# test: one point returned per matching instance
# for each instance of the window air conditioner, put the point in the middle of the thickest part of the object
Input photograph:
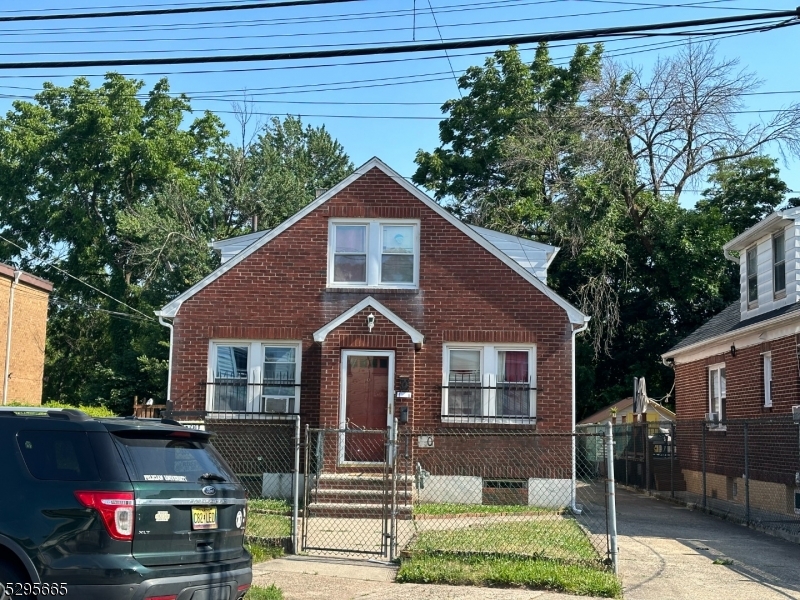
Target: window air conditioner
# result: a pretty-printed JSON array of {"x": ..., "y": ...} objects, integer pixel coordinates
[
  {"x": 274, "y": 405},
  {"x": 712, "y": 418}
]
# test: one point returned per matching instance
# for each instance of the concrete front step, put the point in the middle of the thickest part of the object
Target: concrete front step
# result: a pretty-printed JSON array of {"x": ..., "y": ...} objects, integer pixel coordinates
[
  {"x": 362, "y": 496},
  {"x": 360, "y": 481},
  {"x": 354, "y": 511}
]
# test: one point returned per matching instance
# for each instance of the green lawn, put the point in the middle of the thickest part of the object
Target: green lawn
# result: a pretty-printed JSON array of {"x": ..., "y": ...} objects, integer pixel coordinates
[
  {"x": 442, "y": 509},
  {"x": 268, "y": 518},
  {"x": 546, "y": 552},
  {"x": 554, "y": 539},
  {"x": 503, "y": 571},
  {"x": 261, "y": 593}
]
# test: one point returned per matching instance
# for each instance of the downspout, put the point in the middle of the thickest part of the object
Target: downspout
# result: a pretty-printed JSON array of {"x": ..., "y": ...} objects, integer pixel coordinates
[
  {"x": 14, "y": 283},
  {"x": 573, "y": 506},
  {"x": 169, "y": 368}
]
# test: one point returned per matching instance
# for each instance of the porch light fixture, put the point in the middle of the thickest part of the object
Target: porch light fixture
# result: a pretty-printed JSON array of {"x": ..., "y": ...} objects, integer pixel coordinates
[
  {"x": 370, "y": 322},
  {"x": 733, "y": 350}
]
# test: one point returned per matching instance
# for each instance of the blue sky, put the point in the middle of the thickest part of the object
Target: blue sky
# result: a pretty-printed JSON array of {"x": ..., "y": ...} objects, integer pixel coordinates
[{"x": 375, "y": 106}]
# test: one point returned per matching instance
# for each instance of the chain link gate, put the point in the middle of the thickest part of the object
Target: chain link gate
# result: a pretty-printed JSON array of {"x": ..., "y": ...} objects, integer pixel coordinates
[{"x": 351, "y": 490}]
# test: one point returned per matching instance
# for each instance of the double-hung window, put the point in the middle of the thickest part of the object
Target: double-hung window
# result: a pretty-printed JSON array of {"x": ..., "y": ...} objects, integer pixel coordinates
[
  {"x": 489, "y": 383},
  {"x": 717, "y": 391},
  {"x": 373, "y": 253},
  {"x": 779, "y": 265},
  {"x": 247, "y": 376},
  {"x": 752, "y": 275}
]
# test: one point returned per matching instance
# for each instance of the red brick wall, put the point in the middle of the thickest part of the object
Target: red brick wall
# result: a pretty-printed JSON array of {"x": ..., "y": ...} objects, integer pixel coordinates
[
  {"x": 465, "y": 293},
  {"x": 745, "y": 382}
]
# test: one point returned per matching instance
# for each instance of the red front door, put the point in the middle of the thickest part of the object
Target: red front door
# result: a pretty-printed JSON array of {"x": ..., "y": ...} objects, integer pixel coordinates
[{"x": 366, "y": 405}]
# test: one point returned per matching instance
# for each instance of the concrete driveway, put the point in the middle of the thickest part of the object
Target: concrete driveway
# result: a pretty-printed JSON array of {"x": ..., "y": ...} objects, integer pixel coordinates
[{"x": 667, "y": 552}]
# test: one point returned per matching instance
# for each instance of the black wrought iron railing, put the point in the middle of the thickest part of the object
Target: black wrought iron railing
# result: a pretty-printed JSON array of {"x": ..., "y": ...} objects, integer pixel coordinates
[{"x": 472, "y": 402}]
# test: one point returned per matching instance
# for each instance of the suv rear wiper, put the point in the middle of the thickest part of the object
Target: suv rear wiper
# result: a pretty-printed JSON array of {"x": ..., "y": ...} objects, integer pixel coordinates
[{"x": 212, "y": 477}]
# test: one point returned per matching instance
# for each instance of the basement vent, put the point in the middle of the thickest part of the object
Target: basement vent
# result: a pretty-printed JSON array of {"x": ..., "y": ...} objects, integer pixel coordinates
[{"x": 505, "y": 492}]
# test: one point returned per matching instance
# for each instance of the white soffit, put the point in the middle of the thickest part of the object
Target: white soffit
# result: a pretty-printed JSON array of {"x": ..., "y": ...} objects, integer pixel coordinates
[
  {"x": 575, "y": 316},
  {"x": 322, "y": 333}
]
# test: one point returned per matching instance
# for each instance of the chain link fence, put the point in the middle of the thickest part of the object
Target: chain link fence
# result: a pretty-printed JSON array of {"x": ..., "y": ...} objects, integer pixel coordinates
[
  {"x": 264, "y": 455},
  {"x": 744, "y": 470},
  {"x": 353, "y": 494},
  {"x": 507, "y": 493},
  {"x": 454, "y": 491}
]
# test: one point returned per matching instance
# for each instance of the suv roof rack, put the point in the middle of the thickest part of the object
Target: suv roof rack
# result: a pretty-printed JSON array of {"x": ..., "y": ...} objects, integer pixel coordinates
[{"x": 68, "y": 414}]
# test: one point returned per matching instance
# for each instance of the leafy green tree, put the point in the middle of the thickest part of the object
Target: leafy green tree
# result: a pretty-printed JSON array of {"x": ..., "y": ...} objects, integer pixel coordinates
[
  {"x": 744, "y": 191},
  {"x": 601, "y": 173},
  {"x": 468, "y": 172},
  {"x": 270, "y": 179},
  {"x": 71, "y": 162}
]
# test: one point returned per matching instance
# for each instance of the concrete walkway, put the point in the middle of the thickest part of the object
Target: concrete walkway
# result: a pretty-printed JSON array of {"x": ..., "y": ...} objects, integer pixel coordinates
[{"x": 667, "y": 552}]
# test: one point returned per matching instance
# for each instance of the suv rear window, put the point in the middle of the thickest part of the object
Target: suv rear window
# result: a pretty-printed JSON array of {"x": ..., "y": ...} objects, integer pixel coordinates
[
  {"x": 58, "y": 455},
  {"x": 155, "y": 457}
]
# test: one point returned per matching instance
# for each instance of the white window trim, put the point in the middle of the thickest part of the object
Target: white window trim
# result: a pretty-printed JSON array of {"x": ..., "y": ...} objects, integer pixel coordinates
[
  {"x": 488, "y": 379},
  {"x": 767, "y": 368},
  {"x": 712, "y": 368},
  {"x": 777, "y": 294},
  {"x": 373, "y": 251},
  {"x": 343, "y": 399},
  {"x": 255, "y": 359},
  {"x": 750, "y": 303}
]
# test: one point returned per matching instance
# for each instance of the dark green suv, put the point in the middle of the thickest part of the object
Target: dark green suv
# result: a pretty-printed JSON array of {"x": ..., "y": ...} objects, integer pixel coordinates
[{"x": 117, "y": 509}]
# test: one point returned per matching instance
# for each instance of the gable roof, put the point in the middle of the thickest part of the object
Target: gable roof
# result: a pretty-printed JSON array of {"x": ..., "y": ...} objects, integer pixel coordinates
[
  {"x": 575, "y": 316},
  {"x": 322, "y": 333},
  {"x": 532, "y": 256},
  {"x": 729, "y": 322},
  {"x": 605, "y": 413}
]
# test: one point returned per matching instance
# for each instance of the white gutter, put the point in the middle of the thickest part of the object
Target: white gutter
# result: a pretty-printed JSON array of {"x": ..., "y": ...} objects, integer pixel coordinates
[
  {"x": 14, "y": 283},
  {"x": 573, "y": 505},
  {"x": 169, "y": 368}
]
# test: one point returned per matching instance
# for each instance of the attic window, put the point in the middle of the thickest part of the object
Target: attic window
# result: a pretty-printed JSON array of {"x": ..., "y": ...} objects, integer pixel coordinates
[
  {"x": 372, "y": 253},
  {"x": 752, "y": 275}
]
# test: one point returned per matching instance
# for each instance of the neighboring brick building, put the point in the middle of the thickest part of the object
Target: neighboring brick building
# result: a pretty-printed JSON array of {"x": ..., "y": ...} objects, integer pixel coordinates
[
  {"x": 371, "y": 303},
  {"x": 21, "y": 375},
  {"x": 743, "y": 364}
]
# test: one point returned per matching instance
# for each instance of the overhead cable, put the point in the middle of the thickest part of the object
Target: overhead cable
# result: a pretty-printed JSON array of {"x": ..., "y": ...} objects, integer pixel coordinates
[
  {"x": 50, "y": 16},
  {"x": 651, "y": 29}
]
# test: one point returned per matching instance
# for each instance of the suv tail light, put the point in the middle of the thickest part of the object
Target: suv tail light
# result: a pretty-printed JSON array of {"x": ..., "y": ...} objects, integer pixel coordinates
[{"x": 116, "y": 508}]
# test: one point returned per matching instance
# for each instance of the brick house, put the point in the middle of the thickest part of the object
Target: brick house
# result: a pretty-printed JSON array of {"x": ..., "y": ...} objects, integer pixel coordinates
[
  {"x": 743, "y": 365},
  {"x": 23, "y": 328},
  {"x": 374, "y": 303}
]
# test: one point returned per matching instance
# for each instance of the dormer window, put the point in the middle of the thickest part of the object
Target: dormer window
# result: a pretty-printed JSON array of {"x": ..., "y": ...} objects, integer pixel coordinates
[
  {"x": 752, "y": 275},
  {"x": 779, "y": 265}
]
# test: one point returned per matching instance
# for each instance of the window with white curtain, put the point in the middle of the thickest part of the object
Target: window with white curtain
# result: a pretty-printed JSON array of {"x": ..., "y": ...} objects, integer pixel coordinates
[
  {"x": 717, "y": 390},
  {"x": 254, "y": 376}
]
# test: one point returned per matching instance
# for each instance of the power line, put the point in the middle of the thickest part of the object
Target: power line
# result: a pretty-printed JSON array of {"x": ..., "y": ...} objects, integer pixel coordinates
[
  {"x": 652, "y": 29},
  {"x": 167, "y": 11},
  {"x": 436, "y": 26},
  {"x": 79, "y": 280}
]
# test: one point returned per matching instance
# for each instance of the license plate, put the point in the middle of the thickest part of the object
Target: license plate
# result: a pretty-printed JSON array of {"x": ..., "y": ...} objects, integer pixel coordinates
[{"x": 204, "y": 517}]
